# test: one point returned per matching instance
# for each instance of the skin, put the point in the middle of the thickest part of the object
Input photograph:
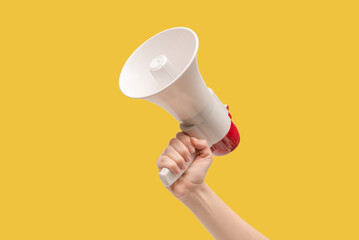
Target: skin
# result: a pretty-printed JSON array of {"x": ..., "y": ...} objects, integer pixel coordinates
[{"x": 220, "y": 221}]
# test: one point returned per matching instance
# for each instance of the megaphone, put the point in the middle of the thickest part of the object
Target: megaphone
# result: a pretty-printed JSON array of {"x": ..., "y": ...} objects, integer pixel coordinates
[{"x": 164, "y": 71}]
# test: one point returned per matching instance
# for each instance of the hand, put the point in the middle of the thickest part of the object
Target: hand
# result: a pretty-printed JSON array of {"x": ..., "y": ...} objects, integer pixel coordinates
[{"x": 175, "y": 158}]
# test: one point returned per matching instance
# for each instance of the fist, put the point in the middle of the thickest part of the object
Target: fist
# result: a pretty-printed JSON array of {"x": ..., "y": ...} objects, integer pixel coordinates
[{"x": 176, "y": 156}]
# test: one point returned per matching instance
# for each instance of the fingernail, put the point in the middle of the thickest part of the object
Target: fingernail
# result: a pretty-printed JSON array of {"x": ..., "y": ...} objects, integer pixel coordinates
[
  {"x": 191, "y": 149},
  {"x": 178, "y": 171},
  {"x": 188, "y": 158}
]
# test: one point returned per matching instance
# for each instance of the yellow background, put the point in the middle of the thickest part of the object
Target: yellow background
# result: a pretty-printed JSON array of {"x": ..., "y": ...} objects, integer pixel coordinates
[{"x": 78, "y": 157}]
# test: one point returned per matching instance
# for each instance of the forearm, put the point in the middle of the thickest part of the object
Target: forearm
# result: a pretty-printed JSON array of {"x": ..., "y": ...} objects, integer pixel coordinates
[{"x": 221, "y": 221}]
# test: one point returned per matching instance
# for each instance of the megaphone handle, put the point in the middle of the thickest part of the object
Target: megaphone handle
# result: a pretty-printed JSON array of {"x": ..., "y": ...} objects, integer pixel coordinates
[{"x": 168, "y": 178}]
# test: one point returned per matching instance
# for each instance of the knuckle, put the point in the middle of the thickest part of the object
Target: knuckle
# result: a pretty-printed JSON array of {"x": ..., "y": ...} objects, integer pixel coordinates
[
  {"x": 172, "y": 165},
  {"x": 161, "y": 161},
  {"x": 167, "y": 159},
  {"x": 173, "y": 141},
  {"x": 183, "y": 137},
  {"x": 167, "y": 150},
  {"x": 180, "y": 160},
  {"x": 185, "y": 151},
  {"x": 179, "y": 134}
]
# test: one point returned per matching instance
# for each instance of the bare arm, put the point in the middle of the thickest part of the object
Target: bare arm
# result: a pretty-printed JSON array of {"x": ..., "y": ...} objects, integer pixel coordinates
[{"x": 220, "y": 221}]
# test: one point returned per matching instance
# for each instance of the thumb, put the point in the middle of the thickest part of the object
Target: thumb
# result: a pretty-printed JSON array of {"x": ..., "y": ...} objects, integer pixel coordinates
[{"x": 201, "y": 146}]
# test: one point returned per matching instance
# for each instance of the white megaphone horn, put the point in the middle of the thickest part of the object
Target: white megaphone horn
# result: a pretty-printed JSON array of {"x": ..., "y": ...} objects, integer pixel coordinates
[{"x": 164, "y": 70}]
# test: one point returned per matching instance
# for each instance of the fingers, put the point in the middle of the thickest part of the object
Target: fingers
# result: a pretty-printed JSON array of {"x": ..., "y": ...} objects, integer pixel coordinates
[
  {"x": 202, "y": 147},
  {"x": 175, "y": 156},
  {"x": 180, "y": 148},
  {"x": 186, "y": 140},
  {"x": 179, "y": 151},
  {"x": 166, "y": 162}
]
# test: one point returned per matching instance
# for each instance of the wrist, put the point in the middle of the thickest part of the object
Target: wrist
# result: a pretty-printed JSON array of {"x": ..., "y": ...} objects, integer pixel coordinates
[{"x": 194, "y": 194}]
